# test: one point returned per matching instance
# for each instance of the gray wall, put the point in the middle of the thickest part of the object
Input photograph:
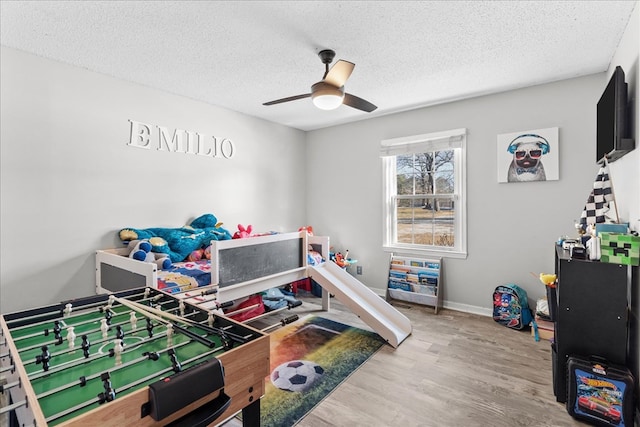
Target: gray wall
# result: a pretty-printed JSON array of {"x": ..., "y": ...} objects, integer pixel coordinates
[
  {"x": 70, "y": 181},
  {"x": 626, "y": 172},
  {"x": 511, "y": 227}
]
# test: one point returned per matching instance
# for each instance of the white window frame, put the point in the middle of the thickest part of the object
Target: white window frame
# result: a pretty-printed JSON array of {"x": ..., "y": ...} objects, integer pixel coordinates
[{"x": 455, "y": 140}]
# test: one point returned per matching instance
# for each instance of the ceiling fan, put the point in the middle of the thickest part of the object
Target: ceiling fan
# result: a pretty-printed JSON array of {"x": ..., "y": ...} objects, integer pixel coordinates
[{"x": 328, "y": 93}]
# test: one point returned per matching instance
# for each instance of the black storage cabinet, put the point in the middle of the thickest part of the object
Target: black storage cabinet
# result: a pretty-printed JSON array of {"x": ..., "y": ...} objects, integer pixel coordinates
[{"x": 592, "y": 308}]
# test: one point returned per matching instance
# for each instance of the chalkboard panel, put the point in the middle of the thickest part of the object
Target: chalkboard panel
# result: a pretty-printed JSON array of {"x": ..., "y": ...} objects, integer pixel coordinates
[
  {"x": 244, "y": 263},
  {"x": 116, "y": 279}
]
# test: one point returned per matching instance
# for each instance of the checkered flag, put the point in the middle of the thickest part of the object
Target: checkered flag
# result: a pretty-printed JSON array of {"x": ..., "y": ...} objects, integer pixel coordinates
[{"x": 598, "y": 202}]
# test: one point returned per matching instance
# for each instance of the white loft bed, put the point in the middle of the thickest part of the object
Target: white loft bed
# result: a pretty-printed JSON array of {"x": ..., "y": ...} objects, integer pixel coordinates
[
  {"x": 243, "y": 267},
  {"x": 239, "y": 267}
]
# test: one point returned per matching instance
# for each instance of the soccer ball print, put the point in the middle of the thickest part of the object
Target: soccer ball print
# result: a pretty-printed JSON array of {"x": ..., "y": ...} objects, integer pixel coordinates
[{"x": 296, "y": 375}]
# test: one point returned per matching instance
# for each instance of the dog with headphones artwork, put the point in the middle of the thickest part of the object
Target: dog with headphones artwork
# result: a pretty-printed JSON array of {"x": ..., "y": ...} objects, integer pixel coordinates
[{"x": 527, "y": 150}]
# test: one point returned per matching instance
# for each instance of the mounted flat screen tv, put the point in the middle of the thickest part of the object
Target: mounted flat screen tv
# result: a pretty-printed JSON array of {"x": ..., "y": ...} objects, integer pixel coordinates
[{"x": 612, "y": 134}]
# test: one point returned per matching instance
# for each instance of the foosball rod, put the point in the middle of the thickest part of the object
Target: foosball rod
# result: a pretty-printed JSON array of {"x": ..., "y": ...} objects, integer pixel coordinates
[
  {"x": 6, "y": 386},
  {"x": 82, "y": 360},
  {"x": 99, "y": 341},
  {"x": 66, "y": 319},
  {"x": 58, "y": 342},
  {"x": 90, "y": 331},
  {"x": 12, "y": 407},
  {"x": 93, "y": 343},
  {"x": 241, "y": 310},
  {"x": 116, "y": 368},
  {"x": 82, "y": 308},
  {"x": 201, "y": 291},
  {"x": 289, "y": 306},
  {"x": 150, "y": 313},
  {"x": 201, "y": 325},
  {"x": 130, "y": 385},
  {"x": 75, "y": 362},
  {"x": 65, "y": 325},
  {"x": 212, "y": 330},
  {"x": 265, "y": 314},
  {"x": 282, "y": 322}
]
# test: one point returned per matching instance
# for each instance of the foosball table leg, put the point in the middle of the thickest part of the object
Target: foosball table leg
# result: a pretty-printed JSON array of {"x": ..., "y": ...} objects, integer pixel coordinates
[{"x": 251, "y": 414}]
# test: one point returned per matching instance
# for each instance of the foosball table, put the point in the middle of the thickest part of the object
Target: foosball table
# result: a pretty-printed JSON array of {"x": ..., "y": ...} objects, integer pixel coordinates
[{"x": 139, "y": 357}]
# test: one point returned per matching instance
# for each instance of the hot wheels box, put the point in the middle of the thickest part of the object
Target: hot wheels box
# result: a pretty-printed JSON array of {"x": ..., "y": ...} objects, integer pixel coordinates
[
  {"x": 600, "y": 393},
  {"x": 619, "y": 248}
]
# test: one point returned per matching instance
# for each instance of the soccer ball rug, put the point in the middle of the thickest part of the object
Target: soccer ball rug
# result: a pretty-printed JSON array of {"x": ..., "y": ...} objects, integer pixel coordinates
[{"x": 296, "y": 375}]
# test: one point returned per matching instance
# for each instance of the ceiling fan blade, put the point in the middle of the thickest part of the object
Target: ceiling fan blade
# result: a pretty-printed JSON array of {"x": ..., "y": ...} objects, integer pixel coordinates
[
  {"x": 291, "y": 98},
  {"x": 359, "y": 103},
  {"x": 339, "y": 73}
]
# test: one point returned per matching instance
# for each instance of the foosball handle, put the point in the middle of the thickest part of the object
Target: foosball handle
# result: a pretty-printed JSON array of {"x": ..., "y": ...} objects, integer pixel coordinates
[
  {"x": 289, "y": 319},
  {"x": 225, "y": 304},
  {"x": 293, "y": 304}
]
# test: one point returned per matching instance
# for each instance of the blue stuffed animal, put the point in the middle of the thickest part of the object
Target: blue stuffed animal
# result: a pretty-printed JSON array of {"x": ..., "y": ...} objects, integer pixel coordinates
[
  {"x": 178, "y": 243},
  {"x": 141, "y": 250}
]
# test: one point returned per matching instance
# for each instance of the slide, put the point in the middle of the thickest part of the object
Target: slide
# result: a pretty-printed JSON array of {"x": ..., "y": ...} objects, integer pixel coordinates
[{"x": 381, "y": 316}]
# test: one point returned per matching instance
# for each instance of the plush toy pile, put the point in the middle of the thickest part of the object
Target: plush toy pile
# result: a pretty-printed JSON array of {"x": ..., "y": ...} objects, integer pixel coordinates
[
  {"x": 141, "y": 250},
  {"x": 179, "y": 243}
]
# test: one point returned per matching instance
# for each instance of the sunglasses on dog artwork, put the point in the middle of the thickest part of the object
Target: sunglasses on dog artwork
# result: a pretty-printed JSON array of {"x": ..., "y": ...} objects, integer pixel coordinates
[{"x": 534, "y": 154}]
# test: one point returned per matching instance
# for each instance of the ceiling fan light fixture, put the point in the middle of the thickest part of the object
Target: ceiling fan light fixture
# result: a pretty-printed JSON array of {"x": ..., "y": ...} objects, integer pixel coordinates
[{"x": 326, "y": 96}]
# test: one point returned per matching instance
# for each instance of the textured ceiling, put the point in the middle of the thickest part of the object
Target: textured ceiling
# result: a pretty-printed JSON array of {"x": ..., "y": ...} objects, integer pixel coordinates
[{"x": 239, "y": 54}]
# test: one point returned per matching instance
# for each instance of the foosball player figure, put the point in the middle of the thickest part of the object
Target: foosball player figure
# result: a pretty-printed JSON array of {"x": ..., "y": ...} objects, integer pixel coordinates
[
  {"x": 150, "y": 327},
  {"x": 57, "y": 329},
  {"x": 151, "y": 355},
  {"x": 71, "y": 337},
  {"x": 67, "y": 310},
  {"x": 227, "y": 344},
  {"x": 169, "y": 335},
  {"x": 104, "y": 327},
  {"x": 110, "y": 302},
  {"x": 118, "y": 348},
  {"x": 85, "y": 346},
  {"x": 108, "y": 315},
  {"x": 174, "y": 361},
  {"x": 181, "y": 307},
  {"x": 119, "y": 332},
  {"x": 210, "y": 319},
  {"x": 133, "y": 320},
  {"x": 109, "y": 393},
  {"x": 44, "y": 358}
]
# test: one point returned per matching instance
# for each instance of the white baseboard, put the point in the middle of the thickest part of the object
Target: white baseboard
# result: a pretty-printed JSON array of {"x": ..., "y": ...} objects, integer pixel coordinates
[{"x": 466, "y": 308}]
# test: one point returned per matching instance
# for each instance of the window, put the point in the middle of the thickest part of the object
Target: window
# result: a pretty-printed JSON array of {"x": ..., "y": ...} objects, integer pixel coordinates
[{"x": 424, "y": 194}]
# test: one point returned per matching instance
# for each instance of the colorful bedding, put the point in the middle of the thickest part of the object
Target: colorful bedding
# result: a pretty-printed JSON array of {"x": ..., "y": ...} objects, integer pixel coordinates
[{"x": 183, "y": 276}]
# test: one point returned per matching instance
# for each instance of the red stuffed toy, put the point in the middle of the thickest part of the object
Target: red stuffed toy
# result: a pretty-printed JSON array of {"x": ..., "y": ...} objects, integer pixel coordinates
[
  {"x": 242, "y": 232},
  {"x": 308, "y": 229}
]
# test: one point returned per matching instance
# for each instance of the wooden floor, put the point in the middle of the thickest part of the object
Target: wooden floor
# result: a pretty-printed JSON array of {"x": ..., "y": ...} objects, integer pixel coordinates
[{"x": 455, "y": 369}]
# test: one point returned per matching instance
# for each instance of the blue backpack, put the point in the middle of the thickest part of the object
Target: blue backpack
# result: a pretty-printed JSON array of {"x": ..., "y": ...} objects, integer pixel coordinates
[{"x": 511, "y": 308}]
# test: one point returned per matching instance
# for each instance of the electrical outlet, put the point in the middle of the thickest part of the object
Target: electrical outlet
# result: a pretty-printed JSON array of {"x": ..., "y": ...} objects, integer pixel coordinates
[{"x": 359, "y": 269}]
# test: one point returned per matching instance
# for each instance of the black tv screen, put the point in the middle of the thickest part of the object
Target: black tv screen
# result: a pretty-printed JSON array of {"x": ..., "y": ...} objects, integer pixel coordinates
[{"x": 612, "y": 119}]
